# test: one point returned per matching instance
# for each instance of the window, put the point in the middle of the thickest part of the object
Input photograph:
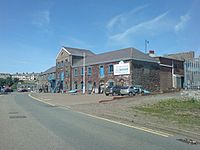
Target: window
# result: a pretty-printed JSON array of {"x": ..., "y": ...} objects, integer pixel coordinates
[
  {"x": 111, "y": 83},
  {"x": 75, "y": 72},
  {"x": 89, "y": 86},
  {"x": 67, "y": 73},
  {"x": 101, "y": 71},
  {"x": 62, "y": 76},
  {"x": 58, "y": 64},
  {"x": 82, "y": 71},
  {"x": 82, "y": 84},
  {"x": 110, "y": 68},
  {"x": 75, "y": 85},
  {"x": 89, "y": 71},
  {"x": 62, "y": 64}
]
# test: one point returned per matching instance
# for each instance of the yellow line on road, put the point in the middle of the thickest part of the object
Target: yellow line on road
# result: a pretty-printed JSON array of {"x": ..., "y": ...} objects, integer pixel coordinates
[
  {"x": 41, "y": 100},
  {"x": 160, "y": 133}
]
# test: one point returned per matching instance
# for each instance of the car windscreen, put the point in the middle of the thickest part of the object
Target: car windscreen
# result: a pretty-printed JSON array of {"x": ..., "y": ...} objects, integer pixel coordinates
[{"x": 124, "y": 87}]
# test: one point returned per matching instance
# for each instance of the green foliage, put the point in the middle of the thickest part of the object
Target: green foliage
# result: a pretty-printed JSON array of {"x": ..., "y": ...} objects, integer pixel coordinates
[
  {"x": 181, "y": 111},
  {"x": 9, "y": 82}
]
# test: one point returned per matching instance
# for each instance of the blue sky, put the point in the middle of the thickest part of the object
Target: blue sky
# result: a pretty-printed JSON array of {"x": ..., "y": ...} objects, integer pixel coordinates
[{"x": 33, "y": 31}]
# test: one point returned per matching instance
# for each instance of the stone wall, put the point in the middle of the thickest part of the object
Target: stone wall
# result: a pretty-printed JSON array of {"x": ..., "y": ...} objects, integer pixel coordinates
[
  {"x": 146, "y": 74},
  {"x": 142, "y": 73}
]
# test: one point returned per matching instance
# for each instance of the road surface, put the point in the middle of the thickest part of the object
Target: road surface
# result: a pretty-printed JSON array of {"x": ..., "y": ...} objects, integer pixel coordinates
[{"x": 27, "y": 124}]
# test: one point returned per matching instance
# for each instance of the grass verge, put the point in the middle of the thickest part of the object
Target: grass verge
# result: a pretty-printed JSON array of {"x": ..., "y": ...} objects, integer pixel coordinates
[{"x": 184, "y": 112}]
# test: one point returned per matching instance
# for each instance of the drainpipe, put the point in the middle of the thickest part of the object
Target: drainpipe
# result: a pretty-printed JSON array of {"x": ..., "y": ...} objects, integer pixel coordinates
[{"x": 173, "y": 84}]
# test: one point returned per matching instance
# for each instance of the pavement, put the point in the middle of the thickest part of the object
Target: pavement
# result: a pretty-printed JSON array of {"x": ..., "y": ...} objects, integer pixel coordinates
[
  {"x": 68, "y": 100},
  {"x": 27, "y": 124}
]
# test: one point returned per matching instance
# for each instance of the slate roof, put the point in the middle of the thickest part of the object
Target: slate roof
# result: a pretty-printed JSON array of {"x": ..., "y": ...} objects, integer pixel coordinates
[
  {"x": 117, "y": 55},
  {"x": 50, "y": 70},
  {"x": 78, "y": 52}
]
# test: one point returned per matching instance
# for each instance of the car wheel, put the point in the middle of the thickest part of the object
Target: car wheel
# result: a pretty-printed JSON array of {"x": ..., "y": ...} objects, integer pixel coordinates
[
  {"x": 122, "y": 94},
  {"x": 130, "y": 94},
  {"x": 107, "y": 94}
]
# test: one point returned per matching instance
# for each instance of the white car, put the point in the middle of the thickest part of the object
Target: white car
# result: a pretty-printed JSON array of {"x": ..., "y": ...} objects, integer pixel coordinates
[{"x": 127, "y": 90}]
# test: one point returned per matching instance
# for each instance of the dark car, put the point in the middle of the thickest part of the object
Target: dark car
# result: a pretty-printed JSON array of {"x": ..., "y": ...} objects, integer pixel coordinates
[
  {"x": 114, "y": 90},
  {"x": 8, "y": 90},
  {"x": 23, "y": 90}
]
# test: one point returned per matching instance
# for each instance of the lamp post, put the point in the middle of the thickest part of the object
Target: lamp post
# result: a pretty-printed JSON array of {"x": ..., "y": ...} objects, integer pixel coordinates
[
  {"x": 146, "y": 42},
  {"x": 84, "y": 73}
]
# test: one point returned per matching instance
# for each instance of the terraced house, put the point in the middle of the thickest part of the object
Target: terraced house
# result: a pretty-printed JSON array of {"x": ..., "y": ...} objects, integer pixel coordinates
[{"x": 80, "y": 68}]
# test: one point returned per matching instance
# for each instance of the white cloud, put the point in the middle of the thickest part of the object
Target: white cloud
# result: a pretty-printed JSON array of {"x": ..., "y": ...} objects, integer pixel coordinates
[
  {"x": 147, "y": 25},
  {"x": 183, "y": 21},
  {"x": 74, "y": 42},
  {"x": 119, "y": 19},
  {"x": 41, "y": 18},
  {"x": 113, "y": 21}
]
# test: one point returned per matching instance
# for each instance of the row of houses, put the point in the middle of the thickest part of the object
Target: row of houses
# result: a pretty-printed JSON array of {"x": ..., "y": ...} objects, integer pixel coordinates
[
  {"x": 21, "y": 76},
  {"x": 84, "y": 70}
]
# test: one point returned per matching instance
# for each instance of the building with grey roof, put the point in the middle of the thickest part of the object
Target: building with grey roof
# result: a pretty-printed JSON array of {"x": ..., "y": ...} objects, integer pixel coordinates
[
  {"x": 82, "y": 69},
  {"x": 47, "y": 80},
  {"x": 116, "y": 55}
]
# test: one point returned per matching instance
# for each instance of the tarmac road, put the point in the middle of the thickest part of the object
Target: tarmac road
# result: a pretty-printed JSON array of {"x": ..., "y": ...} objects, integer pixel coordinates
[{"x": 26, "y": 124}]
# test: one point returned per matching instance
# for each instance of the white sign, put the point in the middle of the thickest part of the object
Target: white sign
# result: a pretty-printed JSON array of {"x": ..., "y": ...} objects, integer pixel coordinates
[{"x": 122, "y": 68}]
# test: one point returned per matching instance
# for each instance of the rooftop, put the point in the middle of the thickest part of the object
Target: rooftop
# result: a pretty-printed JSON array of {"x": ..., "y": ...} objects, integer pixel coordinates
[
  {"x": 50, "y": 70},
  {"x": 78, "y": 51},
  {"x": 116, "y": 55}
]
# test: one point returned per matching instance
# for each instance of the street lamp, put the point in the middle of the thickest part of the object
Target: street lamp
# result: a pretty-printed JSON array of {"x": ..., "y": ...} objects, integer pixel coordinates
[
  {"x": 146, "y": 42},
  {"x": 84, "y": 73}
]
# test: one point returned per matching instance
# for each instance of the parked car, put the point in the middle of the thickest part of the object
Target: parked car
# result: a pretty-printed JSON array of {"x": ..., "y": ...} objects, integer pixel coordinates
[
  {"x": 114, "y": 90},
  {"x": 127, "y": 90},
  {"x": 8, "y": 90},
  {"x": 141, "y": 90},
  {"x": 23, "y": 90}
]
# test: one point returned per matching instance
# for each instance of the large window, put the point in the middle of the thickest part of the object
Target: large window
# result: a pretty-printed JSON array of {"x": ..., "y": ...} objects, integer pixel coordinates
[
  {"x": 62, "y": 64},
  {"x": 62, "y": 76},
  {"x": 110, "y": 68},
  {"x": 82, "y": 84},
  {"x": 75, "y": 85},
  {"x": 67, "y": 73},
  {"x": 75, "y": 72},
  {"x": 89, "y": 71},
  {"x": 101, "y": 71},
  {"x": 58, "y": 64},
  {"x": 82, "y": 71}
]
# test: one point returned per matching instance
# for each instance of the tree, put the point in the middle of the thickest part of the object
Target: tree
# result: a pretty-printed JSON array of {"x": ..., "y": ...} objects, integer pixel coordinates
[
  {"x": 2, "y": 82},
  {"x": 9, "y": 81}
]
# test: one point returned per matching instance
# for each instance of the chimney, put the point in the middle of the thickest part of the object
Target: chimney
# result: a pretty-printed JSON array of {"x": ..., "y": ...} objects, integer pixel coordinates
[{"x": 152, "y": 53}]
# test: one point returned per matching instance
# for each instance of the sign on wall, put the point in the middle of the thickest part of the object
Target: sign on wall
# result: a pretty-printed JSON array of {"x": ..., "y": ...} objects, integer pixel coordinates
[{"x": 122, "y": 68}]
